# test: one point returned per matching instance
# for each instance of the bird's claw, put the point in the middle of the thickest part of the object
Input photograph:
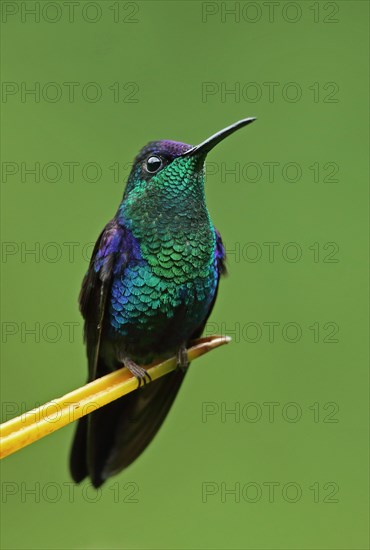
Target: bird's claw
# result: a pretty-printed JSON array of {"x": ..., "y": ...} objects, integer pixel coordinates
[
  {"x": 140, "y": 373},
  {"x": 182, "y": 358}
]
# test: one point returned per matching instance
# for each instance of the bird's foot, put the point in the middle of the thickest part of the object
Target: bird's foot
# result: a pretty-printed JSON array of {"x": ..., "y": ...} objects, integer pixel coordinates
[
  {"x": 182, "y": 358},
  {"x": 140, "y": 373}
]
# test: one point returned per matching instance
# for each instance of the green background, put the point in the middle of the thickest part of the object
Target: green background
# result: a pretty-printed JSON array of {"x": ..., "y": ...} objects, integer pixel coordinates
[{"x": 168, "y": 52}]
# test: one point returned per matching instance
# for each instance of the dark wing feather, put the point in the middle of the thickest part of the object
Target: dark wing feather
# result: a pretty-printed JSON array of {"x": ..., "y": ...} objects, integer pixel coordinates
[
  {"x": 95, "y": 287},
  {"x": 92, "y": 300}
]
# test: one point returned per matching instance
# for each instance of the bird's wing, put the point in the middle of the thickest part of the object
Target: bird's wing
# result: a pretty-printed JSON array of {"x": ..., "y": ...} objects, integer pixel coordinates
[
  {"x": 109, "y": 254},
  {"x": 220, "y": 254},
  {"x": 95, "y": 287}
]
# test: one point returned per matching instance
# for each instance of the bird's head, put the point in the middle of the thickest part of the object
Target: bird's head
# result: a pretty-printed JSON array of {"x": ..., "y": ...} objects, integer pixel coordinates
[{"x": 169, "y": 175}]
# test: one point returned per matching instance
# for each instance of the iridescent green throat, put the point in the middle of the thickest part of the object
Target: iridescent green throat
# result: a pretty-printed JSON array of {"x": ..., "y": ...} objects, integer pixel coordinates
[{"x": 169, "y": 218}]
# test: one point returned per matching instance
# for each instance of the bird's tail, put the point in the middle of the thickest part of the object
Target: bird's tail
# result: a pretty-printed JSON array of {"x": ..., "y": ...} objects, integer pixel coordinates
[{"x": 111, "y": 438}]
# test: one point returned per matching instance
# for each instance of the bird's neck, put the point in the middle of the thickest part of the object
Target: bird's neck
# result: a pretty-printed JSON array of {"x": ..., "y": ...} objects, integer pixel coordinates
[{"x": 175, "y": 219}]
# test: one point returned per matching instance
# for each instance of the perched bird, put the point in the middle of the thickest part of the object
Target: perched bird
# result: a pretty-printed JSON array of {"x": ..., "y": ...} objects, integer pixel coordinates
[{"x": 149, "y": 290}]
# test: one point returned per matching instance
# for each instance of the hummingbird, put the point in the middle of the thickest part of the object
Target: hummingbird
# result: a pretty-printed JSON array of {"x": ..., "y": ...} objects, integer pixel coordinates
[{"x": 150, "y": 287}]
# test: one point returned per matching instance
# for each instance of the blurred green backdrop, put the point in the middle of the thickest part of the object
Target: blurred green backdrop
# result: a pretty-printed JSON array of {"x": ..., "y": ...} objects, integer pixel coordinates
[{"x": 265, "y": 447}]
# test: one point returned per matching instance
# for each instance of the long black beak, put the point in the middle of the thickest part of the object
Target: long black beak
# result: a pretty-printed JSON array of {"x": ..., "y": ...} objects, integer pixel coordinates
[{"x": 204, "y": 147}]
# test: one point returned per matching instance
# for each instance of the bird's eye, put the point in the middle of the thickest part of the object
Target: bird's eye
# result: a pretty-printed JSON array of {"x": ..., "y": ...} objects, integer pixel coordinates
[{"x": 153, "y": 164}]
